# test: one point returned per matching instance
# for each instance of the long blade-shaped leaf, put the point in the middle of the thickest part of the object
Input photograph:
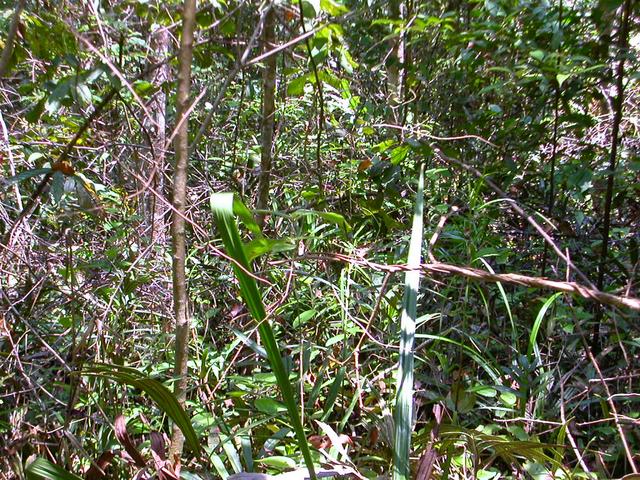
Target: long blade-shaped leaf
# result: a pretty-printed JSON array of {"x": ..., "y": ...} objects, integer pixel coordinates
[
  {"x": 222, "y": 206},
  {"x": 533, "y": 337},
  {"x": 403, "y": 414},
  {"x": 44, "y": 469},
  {"x": 163, "y": 397}
]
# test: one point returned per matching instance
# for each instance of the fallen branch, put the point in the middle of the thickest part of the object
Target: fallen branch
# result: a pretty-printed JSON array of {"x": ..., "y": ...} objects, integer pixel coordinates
[{"x": 482, "y": 275}]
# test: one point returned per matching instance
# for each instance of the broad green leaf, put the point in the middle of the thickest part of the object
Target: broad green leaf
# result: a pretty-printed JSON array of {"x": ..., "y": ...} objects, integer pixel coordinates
[
  {"x": 26, "y": 175},
  {"x": 269, "y": 406},
  {"x": 399, "y": 153},
  {"x": 303, "y": 318},
  {"x": 250, "y": 343},
  {"x": 484, "y": 391},
  {"x": 279, "y": 462},
  {"x": 330, "y": 217},
  {"x": 346, "y": 61},
  {"x": 562, "y": 77},
  {"x": 310, "y": 8},
  {"x": 537, "y": 55},
  {"x": 161, "y": 395},
  {"x": 244, "y": 214},
  {"x": 333, "y": 7},
  {"x": 295, "y": 87},
  {"x": 83, "y": 94},
  {"x": 143, "y": 87},
  {"x": 45, "y": 470},
  {"x": 261, "y": 246},
  {"x": 508, "y": 398},
  {"x": 54, "y": 101},
  {"x": 332, "y": 396}
]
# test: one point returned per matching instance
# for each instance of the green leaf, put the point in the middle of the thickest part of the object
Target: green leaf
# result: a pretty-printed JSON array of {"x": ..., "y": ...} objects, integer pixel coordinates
[
  {"x": 508, "y": 398},
  {"x": 537, "y": 323},
  {"x": 250, "y": 343},
  {"x": 346, "y": 61},
  {"x": 484, "y": 391},
  {"x": 332, "y": 7},
  {"x": 269, "y": 406},
  {"x": 143, "y": 87},
  {"x": 161, "y": 395},
  {"x": 562, "y": 77},
  {"x": 303, "y": 318},
  {"x": 398, "y": 154},
  {"x": 295, "y": 87},
  {"x": 57, "y": 186},
  {"x": 310, "y": 8},
  {"x": 83, "y": 94},
  {"x": 330, "y": 217},
  {"x": 54, "y": 101},
  {"x": 505, "y": 299},
  {"x": 336, "y": 218},
  {"x": 26, "y": 175},
  {"x": 281, "y": 463},
  {"x": 260, "y": 246},
  {"x": 44, "y": 469},
  {"x": 537, "y": 55},
  {"x": 332, "y": 396},
  {"x": 403, "y": 413},
  {"x": 241, "y": 210},
  {"x": 222, "y": 207},
  {"x": 34, "y": 114}
]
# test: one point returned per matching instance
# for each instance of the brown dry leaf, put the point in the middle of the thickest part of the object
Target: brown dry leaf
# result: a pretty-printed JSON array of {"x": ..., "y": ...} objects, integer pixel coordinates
[
  {"x": 120, "y": 427},
  {"x": 96, "y": 472}
]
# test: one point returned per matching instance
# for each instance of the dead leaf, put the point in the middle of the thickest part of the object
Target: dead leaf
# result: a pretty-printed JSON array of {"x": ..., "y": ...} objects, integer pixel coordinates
[
  {"x": 96, "y": 471},
  {"x": 120, "y": 427}
]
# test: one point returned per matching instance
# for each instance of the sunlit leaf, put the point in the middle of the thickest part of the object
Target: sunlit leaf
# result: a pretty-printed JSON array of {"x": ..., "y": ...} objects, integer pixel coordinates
[{"x": 403, "y": 412}]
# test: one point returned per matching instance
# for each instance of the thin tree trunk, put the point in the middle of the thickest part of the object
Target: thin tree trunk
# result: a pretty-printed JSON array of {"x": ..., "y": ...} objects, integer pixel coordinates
[
  {"x": 554, "y": 151},
  {"x": 618, "y": 101},
  {"x": 178, "y": 241},
  {"x": 5, "y": 58},
  {"x": 268, "y": 114},
  {"x": 158, "y": 108},
  {"x": 395, "y": 67}
]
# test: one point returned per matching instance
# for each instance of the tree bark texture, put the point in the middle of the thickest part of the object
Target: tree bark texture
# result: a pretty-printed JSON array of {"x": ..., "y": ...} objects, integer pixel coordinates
[
  {"x": 178, "y": 240},
  {"x": 156, "y": 209},
  {"x": 268, "y": 114},
  {"x": 5, "y": 58}
]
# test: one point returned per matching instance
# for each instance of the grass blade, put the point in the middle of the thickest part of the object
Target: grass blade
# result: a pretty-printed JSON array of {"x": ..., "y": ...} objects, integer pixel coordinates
[
  {"x": 505, "y": 299},
  {"x": 533, "y": 337},
  {"x": 222, "y": 206},
  {"x": 403, "y": 413}
]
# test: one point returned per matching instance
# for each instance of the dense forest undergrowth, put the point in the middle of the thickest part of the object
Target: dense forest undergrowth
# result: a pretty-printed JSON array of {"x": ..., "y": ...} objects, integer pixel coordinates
[{"x": 319, "y": 238}]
